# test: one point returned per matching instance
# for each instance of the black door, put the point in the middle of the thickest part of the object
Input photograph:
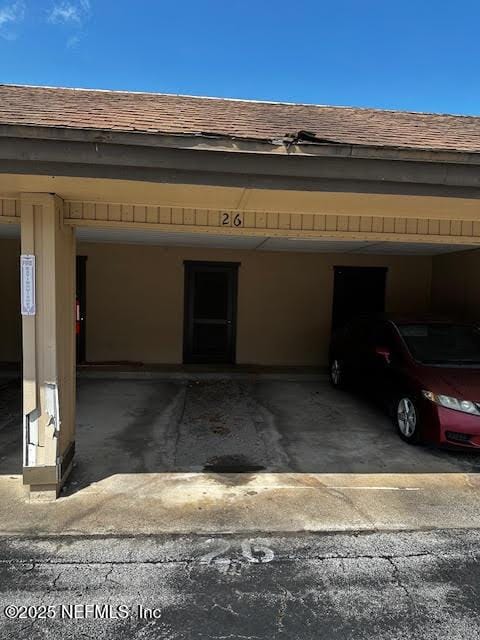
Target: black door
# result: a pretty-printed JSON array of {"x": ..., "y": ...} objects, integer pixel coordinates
[
  {"x": 357, "y": 290},
  {"x": 81, "y": 307},
  {"x": 210, "y": 312}
]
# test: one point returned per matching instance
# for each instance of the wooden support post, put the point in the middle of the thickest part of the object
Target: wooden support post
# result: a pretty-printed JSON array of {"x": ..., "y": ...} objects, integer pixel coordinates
[{"x": 48, "y": 347}]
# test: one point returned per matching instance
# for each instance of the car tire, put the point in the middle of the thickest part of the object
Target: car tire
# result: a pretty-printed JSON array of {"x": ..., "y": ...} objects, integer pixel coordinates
[
  {"x": 407, "y": 419},
  {"x": 337, "y": 374}
]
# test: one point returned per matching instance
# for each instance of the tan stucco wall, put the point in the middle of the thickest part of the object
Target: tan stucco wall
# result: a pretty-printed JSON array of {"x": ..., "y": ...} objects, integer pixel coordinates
[
  {"x": 135, "y": 301},
  {"x": 456, "y": 284},
  {"x": 10, "y": 321}
]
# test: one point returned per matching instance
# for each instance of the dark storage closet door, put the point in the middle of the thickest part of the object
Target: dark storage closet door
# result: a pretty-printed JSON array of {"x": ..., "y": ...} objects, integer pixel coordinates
[
  {"x": 356, "y": 291},
  {"x": 210, "y": 312}
]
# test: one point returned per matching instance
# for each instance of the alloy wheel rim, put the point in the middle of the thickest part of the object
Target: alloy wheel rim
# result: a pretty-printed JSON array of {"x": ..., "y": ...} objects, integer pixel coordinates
[
  {"x": 406, "y": 417},
  {"x": 336, "y": 372}
]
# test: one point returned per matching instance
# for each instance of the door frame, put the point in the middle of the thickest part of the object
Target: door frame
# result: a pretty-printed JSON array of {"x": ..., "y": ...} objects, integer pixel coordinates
[
  {"x": 189, "y": 267},
  {"x": 81, "y": 298}
]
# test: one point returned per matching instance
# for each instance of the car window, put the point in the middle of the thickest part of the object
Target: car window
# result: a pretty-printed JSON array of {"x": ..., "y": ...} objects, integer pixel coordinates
[{"x": 442, "y": 343}]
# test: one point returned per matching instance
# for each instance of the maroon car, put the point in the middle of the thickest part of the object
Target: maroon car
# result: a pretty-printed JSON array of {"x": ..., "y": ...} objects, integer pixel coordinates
[{"x": 427, "y": 372}]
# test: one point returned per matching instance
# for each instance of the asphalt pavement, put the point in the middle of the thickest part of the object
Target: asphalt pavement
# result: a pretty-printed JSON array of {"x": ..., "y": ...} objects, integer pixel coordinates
[{"x": 419, "y": 585}]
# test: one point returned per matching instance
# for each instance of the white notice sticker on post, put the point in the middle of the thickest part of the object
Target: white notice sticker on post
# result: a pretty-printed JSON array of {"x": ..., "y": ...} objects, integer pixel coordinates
[{"x": 27, "y": 284}]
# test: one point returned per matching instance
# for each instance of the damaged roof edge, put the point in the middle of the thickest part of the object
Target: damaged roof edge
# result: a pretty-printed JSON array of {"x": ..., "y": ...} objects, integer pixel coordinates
[{"x": 291, "y": 145}]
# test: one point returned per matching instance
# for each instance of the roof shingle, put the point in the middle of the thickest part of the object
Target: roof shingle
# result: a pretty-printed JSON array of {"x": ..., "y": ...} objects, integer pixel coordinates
[{"x": 118, "y": 111}]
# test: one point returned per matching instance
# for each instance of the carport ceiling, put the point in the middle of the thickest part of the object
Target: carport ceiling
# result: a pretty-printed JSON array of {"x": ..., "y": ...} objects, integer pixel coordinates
[{"x": 137, "y": 236}]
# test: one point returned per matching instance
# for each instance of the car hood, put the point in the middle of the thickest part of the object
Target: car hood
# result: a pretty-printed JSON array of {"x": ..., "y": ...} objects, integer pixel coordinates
[{"x": 459, "y": 382}]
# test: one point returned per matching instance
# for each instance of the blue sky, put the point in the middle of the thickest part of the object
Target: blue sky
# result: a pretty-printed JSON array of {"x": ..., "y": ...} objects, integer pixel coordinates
[{"x": 395, "y": 54}]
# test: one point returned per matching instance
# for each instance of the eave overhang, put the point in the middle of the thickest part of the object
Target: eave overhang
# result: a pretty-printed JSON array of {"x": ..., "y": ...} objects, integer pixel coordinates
[{"x": 212, "y": 159}]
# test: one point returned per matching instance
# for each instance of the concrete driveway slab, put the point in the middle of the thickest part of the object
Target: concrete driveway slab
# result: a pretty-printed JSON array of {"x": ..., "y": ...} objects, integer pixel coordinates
[
  {"x": 174, "y": 456},
  {"x": 214, "y": 503}
]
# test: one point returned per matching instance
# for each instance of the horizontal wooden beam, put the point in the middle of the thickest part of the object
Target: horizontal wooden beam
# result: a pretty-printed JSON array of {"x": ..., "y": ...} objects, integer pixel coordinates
[{"x": 271, "y": 224}]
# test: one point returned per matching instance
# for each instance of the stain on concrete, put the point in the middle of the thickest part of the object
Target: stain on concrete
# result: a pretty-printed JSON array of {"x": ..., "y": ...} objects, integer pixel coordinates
[
  {"x": 125, "y": 426},
  {"x": 231, "y": 464},
  {"x": 218, "y": 432}
]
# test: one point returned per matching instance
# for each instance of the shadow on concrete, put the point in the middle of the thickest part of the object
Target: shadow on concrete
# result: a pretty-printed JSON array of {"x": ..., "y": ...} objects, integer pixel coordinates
[{"x": 10, "y": 425}]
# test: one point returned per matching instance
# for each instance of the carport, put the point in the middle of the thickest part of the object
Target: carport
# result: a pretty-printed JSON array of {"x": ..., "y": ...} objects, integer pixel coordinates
[
  {"x": 156, "y": 416},
  {"x": 171, "y": 249}
]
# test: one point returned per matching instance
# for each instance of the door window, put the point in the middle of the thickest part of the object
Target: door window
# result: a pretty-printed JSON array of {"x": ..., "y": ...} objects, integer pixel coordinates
[{"x": 210, "y": 294}]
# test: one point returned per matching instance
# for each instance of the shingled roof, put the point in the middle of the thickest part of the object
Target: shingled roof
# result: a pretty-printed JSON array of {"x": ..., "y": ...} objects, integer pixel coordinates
[{"x": 122, "y": 111}]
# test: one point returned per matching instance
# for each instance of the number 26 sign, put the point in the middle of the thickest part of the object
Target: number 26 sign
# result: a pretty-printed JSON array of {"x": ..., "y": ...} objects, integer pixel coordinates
[{"x": 232, "y": 219}]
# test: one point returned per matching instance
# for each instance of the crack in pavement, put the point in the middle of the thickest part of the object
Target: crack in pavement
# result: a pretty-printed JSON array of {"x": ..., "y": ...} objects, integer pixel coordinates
[
  {"x": 401, "y": 585},
  {"x": 233, "y": 636},
  {"x": 227, "y": 609},
  {"x": 54, "y": 583},
  {"x": 109, "y": 573},
  {"x": 396, "y": 575},
  {"x": 283, "y": 605},
  {"x": 198, "y": 560}
]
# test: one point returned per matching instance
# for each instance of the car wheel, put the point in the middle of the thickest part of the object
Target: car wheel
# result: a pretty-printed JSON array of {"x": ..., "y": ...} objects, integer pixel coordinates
[
  {"x": 337, "y": 374},
  {"x": 407, "y": 420}
]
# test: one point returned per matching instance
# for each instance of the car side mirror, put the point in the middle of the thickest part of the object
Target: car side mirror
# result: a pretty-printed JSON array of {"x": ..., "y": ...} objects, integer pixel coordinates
[{"x": 383, "y": 352}]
